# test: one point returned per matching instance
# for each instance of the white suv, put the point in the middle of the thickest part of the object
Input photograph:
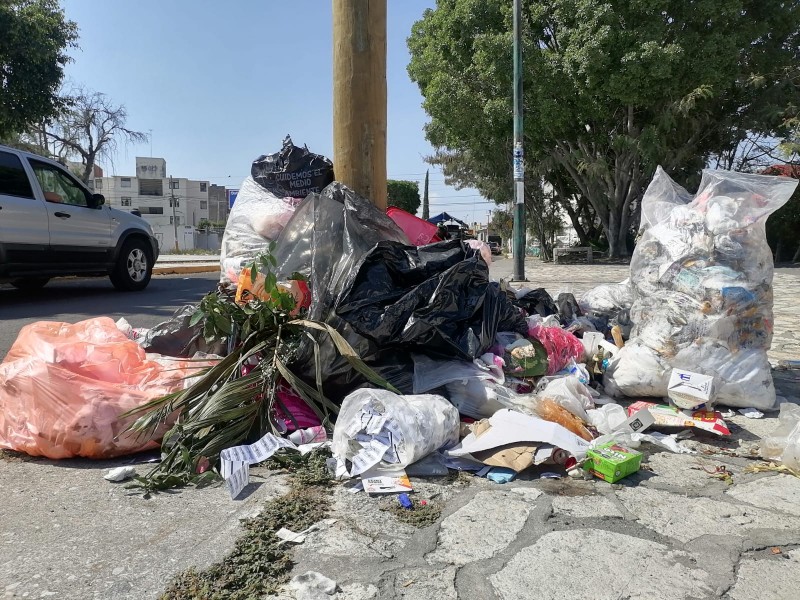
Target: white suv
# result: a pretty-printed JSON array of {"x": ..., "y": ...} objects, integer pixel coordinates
[{"x": 52, "y": 225}]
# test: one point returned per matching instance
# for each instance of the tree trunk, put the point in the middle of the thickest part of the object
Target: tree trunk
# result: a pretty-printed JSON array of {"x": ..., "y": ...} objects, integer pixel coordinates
[
  {"x": 796, "y": 257},
  {"x": 574, "y": 219}
]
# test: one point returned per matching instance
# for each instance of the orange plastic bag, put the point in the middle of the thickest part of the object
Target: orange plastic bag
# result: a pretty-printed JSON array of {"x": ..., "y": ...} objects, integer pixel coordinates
[{"x": 64, "y": 387}]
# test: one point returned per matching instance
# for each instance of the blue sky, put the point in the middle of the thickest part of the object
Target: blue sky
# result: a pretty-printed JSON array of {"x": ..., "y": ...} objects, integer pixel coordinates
[{"x": 220, "y": 83}]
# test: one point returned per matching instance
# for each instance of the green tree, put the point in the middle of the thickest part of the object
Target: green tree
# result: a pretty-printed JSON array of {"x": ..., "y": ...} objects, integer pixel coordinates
[
  {"x": 404, "y": 195},
  {"x": 611, "y": 88},
  {"x": 783, "y": 225},
  {"x": 34, "y": 38},
  {"x": 502, "y": 224}
]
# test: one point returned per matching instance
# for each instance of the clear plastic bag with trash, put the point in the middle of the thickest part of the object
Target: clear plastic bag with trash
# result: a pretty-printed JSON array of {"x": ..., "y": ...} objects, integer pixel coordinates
[
  {"x": 701, "y": 276},
  {"x": 378, "y": 426},
  {"x": 783, "y": 444}
]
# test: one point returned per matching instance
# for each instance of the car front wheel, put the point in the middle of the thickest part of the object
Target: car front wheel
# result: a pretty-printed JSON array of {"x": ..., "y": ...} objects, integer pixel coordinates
[{"x": 134, "y": 267}]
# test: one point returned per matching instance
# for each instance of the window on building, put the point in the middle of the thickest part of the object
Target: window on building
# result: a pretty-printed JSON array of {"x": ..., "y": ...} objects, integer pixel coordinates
[
  {"x": 203, "y": 187},
  {"x": 125, "y": 182},
  {"x": 151, "y": 210},
  {"x": 203, "y": 205},
  {"x": 13, "y": 180},
  {"x": 174, "y": 202},
  {"x": 98, "y": 184},
  {"x": 125, "y": 201},
  {"x": 174, "y": 220},
  {"x": 151, "y": 187},
  {"x": 90, "y": 184},
  {"x": 176, "y": 185}
]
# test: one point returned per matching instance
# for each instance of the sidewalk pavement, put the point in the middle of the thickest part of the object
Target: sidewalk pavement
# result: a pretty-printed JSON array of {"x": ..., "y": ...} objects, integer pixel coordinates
[
  {"x": 672, "y": 531},
  {"x": 176, "y": 264}
]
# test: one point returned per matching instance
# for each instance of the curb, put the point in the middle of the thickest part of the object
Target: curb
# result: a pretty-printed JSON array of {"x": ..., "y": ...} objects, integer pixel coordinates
[{"x": 185, "y": 269}]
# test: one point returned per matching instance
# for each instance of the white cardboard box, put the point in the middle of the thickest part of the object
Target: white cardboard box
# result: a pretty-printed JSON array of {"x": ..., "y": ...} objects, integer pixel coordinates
[{"x": 689, "y": 390}]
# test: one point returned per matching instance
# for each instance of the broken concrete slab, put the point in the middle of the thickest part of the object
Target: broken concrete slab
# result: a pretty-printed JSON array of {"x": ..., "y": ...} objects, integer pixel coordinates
[
  {"x": 610, "y": 568},
  {"x": 422, "y": 584},
  {"x": 479, "y": 530},
  {"x": 778, "y": 492},
  {"x": 678, "y": 470},
  {"x": 684, "y": 518},
  {"x": 585, "y": 507},
  {"x": 773, "y": 578}
]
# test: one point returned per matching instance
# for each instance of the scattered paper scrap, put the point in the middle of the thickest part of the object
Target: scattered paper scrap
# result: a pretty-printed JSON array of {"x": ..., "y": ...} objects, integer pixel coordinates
[
  {"x": 752, "y": 413},
  {"x": 236, "y": 461},
  {"x": 120, "y": 474},
  {"x": 298, "y": 537}
]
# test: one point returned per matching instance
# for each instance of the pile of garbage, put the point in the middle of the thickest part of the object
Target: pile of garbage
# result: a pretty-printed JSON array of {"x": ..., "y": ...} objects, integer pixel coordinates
[{"x": 336, "y": 324}]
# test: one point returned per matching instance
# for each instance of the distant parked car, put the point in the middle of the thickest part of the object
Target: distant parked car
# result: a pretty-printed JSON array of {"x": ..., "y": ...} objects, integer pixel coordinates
[
  {"x": 495, "y": 248},
  {"x": 52, "y": 225}
]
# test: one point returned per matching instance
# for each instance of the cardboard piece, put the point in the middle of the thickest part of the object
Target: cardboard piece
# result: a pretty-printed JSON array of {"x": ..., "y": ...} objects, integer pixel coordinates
[
  {"x": 517, "y": 457},
  {"x": 690, "y": 390},
  {"x": 508, "y": 427},
  {"x": 386, "y": 481},
  {"x": 612, "y": 462},
  {"x": 669, "y": 416}
]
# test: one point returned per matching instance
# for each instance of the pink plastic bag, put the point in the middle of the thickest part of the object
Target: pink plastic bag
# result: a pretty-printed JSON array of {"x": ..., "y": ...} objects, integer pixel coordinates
[
  {"x": 64, "y": 387},
  {"x": 561, "y": 346},
  {"x": 296, "y": 406},
  {"x": 418, "y": 231}
]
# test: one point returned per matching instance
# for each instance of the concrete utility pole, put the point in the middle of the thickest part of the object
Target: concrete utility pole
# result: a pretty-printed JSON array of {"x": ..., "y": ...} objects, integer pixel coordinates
[
  {"x": 519, "y": 155},
  {"x": 172, "y": 203},
  {"x": 359, "y": 97},
  {"x": 426, "y": 210}
]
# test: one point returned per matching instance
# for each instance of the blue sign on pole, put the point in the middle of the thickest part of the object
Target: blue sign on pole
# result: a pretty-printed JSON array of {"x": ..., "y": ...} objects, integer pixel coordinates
[{"x": 232, "y": 197}]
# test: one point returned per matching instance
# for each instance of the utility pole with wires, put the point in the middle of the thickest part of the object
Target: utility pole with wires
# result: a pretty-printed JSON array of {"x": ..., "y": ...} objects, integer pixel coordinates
[
  {"x": 359, "y": 97},
  {"x": 426, "y": 211},
  {"x": 173, "y": 202}
]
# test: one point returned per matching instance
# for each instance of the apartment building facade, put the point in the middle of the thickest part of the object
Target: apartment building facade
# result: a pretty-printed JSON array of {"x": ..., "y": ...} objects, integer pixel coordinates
[{"x": 168, "y": 204}]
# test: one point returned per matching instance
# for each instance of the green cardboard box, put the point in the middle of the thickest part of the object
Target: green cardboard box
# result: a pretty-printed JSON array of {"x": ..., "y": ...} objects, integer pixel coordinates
[{"x": 611, "y": 462}]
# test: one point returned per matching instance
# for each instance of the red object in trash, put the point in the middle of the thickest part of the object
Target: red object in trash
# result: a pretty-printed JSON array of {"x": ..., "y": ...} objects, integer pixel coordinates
[{"x": 418, "y": 231}]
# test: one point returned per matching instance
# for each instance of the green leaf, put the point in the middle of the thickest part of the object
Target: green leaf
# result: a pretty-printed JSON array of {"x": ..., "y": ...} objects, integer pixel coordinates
[
  {"x": 197, "y": 316},
  {"x": 221, "y": 323}
]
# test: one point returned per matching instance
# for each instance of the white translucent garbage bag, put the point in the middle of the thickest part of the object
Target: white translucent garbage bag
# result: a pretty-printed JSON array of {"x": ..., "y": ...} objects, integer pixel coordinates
[
  {"x": 569, "y": 393},
  {"x": 637, "y": 370},
  {"x": 607, "y": 300},
  {"x": 379, "y": 427},
  {"x": 784, "y": 443},
  {"x": 481, "y": 398},
  {"x": 701, "y": 276},
  {"x": 257, "y": 218}
]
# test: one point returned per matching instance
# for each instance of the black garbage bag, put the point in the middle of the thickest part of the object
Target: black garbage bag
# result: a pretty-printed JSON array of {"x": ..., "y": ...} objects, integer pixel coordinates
[
  {"x": 434, "y": 299},
  {"x": 568, "y": 309},
  {"x": 538, "y": 302},
  {"x": 327, "y": 236},
  {"x": 293, "y": 171},
  {"x": 175, "y": 337}
]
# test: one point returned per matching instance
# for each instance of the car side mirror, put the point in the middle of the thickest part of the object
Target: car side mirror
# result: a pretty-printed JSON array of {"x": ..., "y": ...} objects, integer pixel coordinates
[{"x": 98, "y": 200}]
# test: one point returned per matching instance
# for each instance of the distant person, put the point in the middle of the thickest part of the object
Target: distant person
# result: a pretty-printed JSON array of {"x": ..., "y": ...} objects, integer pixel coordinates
[{"x": 441, "y": 232}]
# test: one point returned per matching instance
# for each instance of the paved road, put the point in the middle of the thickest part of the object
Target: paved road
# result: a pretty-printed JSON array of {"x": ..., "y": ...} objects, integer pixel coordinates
[{"x": 72, "y": 300}]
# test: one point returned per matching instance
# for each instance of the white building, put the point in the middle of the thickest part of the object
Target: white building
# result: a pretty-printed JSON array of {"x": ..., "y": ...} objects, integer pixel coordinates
[{"x": 180, "y": 207}]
